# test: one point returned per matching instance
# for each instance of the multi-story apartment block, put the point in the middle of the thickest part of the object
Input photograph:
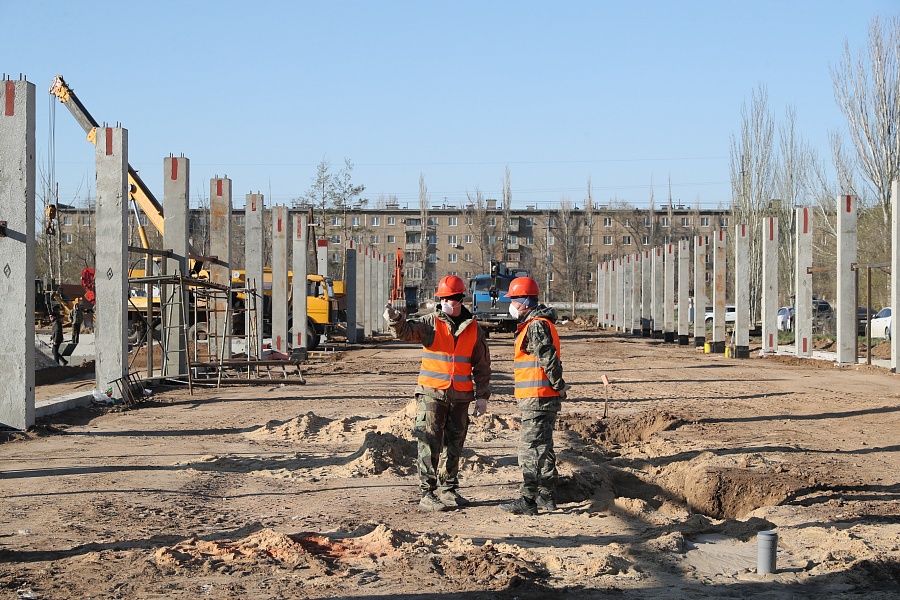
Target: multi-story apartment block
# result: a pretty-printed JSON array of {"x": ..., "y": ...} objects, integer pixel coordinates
[{"x": 561, "y": 246}]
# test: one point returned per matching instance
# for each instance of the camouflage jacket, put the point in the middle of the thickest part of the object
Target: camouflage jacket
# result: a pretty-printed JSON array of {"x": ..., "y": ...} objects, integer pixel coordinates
[
  {"x": 421, "y": 329},
  {"x": 539, "y": 343}
]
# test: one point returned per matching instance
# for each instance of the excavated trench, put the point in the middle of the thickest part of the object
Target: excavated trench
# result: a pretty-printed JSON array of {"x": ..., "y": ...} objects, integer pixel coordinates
[{"x": 719, "y": 485}]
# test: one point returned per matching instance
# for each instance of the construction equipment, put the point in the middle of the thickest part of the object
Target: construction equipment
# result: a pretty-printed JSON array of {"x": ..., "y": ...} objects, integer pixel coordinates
[{"x": 489, "y": 306}]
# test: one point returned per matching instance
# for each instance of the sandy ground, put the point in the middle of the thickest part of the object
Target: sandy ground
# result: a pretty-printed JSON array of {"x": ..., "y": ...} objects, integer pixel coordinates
[{"x": 289, "y": 491}]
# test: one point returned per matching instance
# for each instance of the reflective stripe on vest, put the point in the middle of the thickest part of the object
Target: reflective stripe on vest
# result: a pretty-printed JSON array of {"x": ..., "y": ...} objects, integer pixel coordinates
[
  {"x": 531, "y": 379},
  {"x": 449, "y": 360}
]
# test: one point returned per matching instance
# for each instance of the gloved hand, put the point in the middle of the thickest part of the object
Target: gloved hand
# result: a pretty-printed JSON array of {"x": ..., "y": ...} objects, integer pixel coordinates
[
  {"x": 562, "y": 392},
  {"x": 480, "y": 407},
  {"x": 390, "y": 313}
]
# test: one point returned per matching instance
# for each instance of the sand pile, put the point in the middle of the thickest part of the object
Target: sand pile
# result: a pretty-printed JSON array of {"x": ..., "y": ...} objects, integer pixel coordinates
[
  {"x": 295, "y": 430},
  {"x": 381, "y": 452}
]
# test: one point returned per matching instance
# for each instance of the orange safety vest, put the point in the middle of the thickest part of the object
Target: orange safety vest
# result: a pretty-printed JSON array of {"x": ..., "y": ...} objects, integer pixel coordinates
[
  {"x": 531, "y": 379},
  {"x": 449, "y": 360}
]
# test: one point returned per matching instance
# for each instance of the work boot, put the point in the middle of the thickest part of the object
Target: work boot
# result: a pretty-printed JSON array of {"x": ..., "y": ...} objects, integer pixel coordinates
[
  {"x": 522, "y": 506},
  {"x": 452, "y": 499},
  {"x": 545, "y": 502},
  {"x": 430, "y": 502}
]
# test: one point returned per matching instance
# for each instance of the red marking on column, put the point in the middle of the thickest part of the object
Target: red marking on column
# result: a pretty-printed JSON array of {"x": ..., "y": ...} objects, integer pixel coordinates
[
  {"x": 805, "y": 220},
  {"x": 743, "y": 230},
  {"x": 299, "y": 340},
  {"x": 278, "y": 343},
  {"x": 771, "y": 340},
  {"x": 279, "y": 222},
  {"x": 771, "y": 229},
  {"x": 10, "y": 98},
  {"x": 658, "y": 252},
  {"x": 804, "y": 345},
  {"x": 849, "y": 203},
  {"x": 109, "y": 148},
  {"x": 323, "y": 243},
  {"x": 699, "y": 242},
  {"x": 218, "y": 187},
  {"x": 628, "y": 259},
  {"x": 174, "y": 169},
  {"x": 721, "y": 235},
  {"x": 252, "y": 203},
  {"x": 299, "y": 228}
]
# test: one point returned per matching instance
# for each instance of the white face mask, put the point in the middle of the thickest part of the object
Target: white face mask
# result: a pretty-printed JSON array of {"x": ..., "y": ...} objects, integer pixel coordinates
[
  {"x": 451, "y": 308},
  {"x": 513, "y": 311}
]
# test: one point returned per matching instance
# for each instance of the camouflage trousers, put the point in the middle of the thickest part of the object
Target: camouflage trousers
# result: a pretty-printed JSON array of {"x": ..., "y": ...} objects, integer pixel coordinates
[
  {"x": 536, "y": 454},
  {"x": 440, "y": 429}
]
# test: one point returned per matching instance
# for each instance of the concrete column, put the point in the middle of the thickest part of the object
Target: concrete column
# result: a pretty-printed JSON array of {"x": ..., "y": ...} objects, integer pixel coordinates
[
  {"x": 350, "y": 275},
  {"x": 361, "y": 310},
  {"x": 895, "y": 265},
  {"x": 700, "y": 251},
  {"x": 770, "y": 286},
  {"x": 299, "y": 308},
  {"x": 620, "y": 294},
  {"x": 111, "y": 280},
  {"x": 684, "y": 291},
  {"x": 220, "y": 271},
  {"x": 636, "y": 328},
  {"x": 380, "y": 265},
  {"x": 254, "y": 257},
  {"x": 322, "y": 256},
  {"x": 646, "y": 292},
  {"x": 742, "y": 291},
  {"x": 627, "y": 291},
  {"x": 608, "y": 295},
  {"x": 669, "y": 294},
  {"x": 176, "y": 199},
  {"x": 17, "y": 279},
  {"x": 803, "y": 284},
  {"x": 280, "y": 224},
  {"x": 719, "y": 286},
  {"x": 656, "y": 306},
  {"x": 613, "y": 293},
  {"x": 600, "y": 288},
  {"x": 846, "y": 311}
]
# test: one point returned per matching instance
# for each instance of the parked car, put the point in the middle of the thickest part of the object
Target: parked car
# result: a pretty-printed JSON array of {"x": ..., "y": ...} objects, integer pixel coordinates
[
  {"x": 864, "y": 313},
  {"x": 881, "y": 324},
  {"x": 786, "y": 318},
  {"x": 730, "y": 312}
]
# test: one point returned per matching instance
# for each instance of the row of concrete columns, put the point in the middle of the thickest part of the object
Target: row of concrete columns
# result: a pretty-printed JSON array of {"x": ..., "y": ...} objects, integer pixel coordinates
[
  {"x": 367, "y": 287},
  {"x": 636, "y": 293}
]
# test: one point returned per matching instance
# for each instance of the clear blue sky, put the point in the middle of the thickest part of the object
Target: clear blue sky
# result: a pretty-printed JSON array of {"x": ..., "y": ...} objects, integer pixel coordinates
[{"x": 624, "y": 93}]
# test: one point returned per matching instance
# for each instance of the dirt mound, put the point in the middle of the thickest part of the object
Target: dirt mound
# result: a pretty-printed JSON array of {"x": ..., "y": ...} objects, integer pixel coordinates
[
  {"x": 489, "y": 426},
  {"x": 617, "y": 430},
  {"x": 490, "y": 568},
  {"x": 295, "y": 430},
  {"x": 382, "y": 452}
]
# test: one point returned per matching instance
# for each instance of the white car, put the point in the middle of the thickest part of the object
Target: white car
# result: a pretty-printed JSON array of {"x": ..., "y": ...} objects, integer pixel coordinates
[
  {"x": 786, "y": 318},
  {"x": 881, "y": 324},
  {"x": 730, "y": 313}
]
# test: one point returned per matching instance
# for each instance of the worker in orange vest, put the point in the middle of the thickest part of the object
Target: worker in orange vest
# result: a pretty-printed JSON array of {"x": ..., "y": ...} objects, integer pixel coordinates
[
  {"x": 540, "y": 389},
  {"x": 456, "y": 369}
]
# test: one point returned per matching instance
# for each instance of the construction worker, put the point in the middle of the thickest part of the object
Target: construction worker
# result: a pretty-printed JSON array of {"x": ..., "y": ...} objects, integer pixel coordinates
[
  {"x": 77, "y": 320},
  {"x": 56, "y": 338},
  {"x": 539, "y": 389},
  {"x": 456, "y": 369}
]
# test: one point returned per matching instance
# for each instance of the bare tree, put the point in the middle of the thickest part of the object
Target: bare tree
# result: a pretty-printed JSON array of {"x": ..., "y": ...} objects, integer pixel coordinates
[
  {"x": 506, "y": 205},
  {"x": 753, "y": 180},
  {"x": 867, "y": 90},
  {"x": 478, "y": 221}
]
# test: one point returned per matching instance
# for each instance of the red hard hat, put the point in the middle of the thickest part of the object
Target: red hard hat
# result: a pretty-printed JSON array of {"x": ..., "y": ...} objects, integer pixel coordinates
[
  {"x": 450, "y": 285},
  {"x": 522, "y": 286}
]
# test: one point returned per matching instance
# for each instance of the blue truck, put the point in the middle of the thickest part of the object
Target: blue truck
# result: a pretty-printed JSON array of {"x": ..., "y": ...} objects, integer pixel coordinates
[{"x": 489, "y": 306}]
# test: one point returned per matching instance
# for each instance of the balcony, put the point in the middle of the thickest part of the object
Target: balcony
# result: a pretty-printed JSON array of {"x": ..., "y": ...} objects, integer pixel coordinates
[
  {"x": 413, "y": 246},
  {"x": 513, "y": 246},
  {"x": 413, "y": 227},
  {"x": 514, "y": 225}
]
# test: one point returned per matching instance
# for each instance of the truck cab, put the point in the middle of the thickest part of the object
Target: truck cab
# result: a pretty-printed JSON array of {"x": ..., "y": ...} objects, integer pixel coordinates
[{"x": 489, "y": 306}]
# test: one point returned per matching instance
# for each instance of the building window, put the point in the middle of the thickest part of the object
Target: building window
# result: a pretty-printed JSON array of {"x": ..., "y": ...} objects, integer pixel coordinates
[
  {"x": 68, "y": 238},
  {"x": 645, "y": 240},
  {"x": 468, "y": 239},
  {"x": 373, "y": 240},
  {"x": 709, "y": 259},
  {"x": 588, "y": 240},
  {"x": 432, "y": 221},
  {"x": 570, "y": 240},
  {"x": 86, "y": 220},
  {"x": 529, "y": 221},
  {"x": 67, "y": 220},
  {"x": 452, "y": 240},
  {"x": 335, "y": 257},
  {"x": 335, "y": 239},
  {"x": 607, "y": 221},
  {"x": 492, "y": 221},
  {"x": 529, "y": 240},
  {"x": 723, "y": 221},
  {"x": 392, "y": 239},
  {"x": 469, "y": 220},
  {"x": 551, "y": 240},
  {"x": 665, "y": 239},
  {"x": 451, "y": 257},
  {"x": 551, "y": 276},
  {"x": 391, "y": 221},
  {"x": 704, "y": 221},
  {"x": 374, "y": 221},
  {"x": 627, "y": 223},
  {"x": 354, "y": 221},
  {"x": 590, "y": 275},
  {"x": 607, "y": 240},
  {"x": 238, "y": 220},
  {"x": 626, "y": 240},
  {"x": 467, "y": 257},
  {"x": 432, "y": 239},
  {"x": 646, "y": 221},
  {"x": 336, "y": 221},
  {"x": 513, "y": 239},
  {"x": 685, "y": 221},
  {"x": 451, "y": 221},
  {"x": 492, "y": 239},
  {"x": 432, "y": 258},
  {"x": 664, "y": 221}
]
